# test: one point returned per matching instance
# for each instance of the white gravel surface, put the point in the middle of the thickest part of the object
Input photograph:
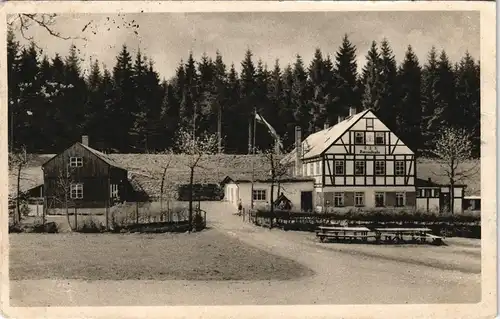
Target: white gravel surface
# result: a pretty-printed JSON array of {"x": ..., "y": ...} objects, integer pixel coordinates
[{"x": 344, "y": 274}]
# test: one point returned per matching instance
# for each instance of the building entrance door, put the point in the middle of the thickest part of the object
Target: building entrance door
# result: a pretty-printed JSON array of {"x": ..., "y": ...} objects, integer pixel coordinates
[{"x": 306, "y": 202}]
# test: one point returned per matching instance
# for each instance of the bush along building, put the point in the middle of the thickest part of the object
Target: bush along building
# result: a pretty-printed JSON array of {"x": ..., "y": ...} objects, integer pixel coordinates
[
  {"x": 361, "y": 163},
  {"x": 83, "y": 177}
]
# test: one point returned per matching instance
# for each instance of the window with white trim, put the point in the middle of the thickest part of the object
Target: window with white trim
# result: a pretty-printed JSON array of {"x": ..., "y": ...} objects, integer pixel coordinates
[
  {"x": 400, "y": 199},
  {"x": 113, "y": 190},
  {"x": 76, "y": 191},
  {"x": 339, "y": 168},
  {"x": 379, "y": 138},
  {"x": 379, "y": 167},
  {"x": 259, "y": 194},
  {"x": 379, "y": 199},
  {"x": 338, "y": 199},
  {"x": 75, "y": 161},
  {"x": 318, "y": 168},
  {"x": 399, "y": 168},
  {"x": 359, "y": 199},
  {"x": 359, "y": 168},
  {"x": 369, "y": 124},
  {"x": 359, "y": 138}
]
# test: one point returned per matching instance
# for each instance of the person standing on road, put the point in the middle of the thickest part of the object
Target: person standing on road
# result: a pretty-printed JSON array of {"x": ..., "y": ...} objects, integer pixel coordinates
[{"x": 240, "y": 207}]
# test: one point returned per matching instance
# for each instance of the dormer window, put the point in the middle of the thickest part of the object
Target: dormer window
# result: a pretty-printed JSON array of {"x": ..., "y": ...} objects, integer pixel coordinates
[
  {"x": 75, "y": 161},
  {"x": 359, "y": 138}
]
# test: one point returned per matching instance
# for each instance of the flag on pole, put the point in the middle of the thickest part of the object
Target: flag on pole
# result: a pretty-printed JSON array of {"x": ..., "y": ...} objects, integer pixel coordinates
[{"x": 271, "y": 129}]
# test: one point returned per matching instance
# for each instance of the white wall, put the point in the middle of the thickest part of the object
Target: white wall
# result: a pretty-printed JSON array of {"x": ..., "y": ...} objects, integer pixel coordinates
[
  {"x": 433, "y": 204},
  {"x": 291, "y": 190}
]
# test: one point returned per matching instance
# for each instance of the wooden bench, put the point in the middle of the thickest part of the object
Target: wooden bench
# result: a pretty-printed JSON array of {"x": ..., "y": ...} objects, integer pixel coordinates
[{"x": 343, "y": 233}]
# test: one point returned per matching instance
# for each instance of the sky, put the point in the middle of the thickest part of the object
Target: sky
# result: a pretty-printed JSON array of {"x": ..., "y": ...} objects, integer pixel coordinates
[{"x": 169, "y": 37}]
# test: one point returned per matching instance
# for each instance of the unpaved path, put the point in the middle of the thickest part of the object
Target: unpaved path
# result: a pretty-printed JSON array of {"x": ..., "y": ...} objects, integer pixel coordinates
[{"x": 348, "y": 276}]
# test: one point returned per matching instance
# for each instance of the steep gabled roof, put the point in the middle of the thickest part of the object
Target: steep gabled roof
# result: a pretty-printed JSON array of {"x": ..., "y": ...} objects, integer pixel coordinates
[
  {"x": 102, "y": 156},
  {"x": 108, "y": 160},
  {"x": 315, "y": 144}
]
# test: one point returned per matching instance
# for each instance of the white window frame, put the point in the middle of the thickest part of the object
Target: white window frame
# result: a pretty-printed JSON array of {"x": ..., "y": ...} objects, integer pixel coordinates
[
  {"x": 383, "y": 199},
  {"x": 402, "y": 197},
  {"x": 399, "y": 171},
  {"x": 75, "y": 161},
  {"x": 76, "y": 191},
  {"x": 359, "y": 199},
  {"x": 113, "y": 191},
  {"x": 342, "y": 164},
  {"x": 318, "y": 170},
  {"x": 378, "y": 170},
  {"x": 356, "y": 168},
  {"x": 338, "y": 199},
  {"x": 259, "y": 195},
  {"x": 362, "y": 134},
  {"x": 369, "y": 126},
  {"x": 380, "y": 134}
]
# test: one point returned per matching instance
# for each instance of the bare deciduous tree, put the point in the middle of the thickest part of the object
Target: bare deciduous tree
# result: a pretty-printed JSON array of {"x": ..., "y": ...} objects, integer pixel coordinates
[
  {"x": 17, "y": 162},
  {"x": 453, "y": 152},
  {"x": 195, "y": 148},
  {"x": 165, "y": 165},
  {"x": 63, "y": 193},
  {"x": 47, "y": 21},
  {"x": 277, "y": 172}
]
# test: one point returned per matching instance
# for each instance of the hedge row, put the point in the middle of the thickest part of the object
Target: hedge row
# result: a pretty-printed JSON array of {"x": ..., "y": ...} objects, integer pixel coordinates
[{"x": 371, "y": 216}]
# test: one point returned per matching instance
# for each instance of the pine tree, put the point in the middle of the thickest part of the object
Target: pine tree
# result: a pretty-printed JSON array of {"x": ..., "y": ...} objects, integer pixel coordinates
[
  {"x": 124, "y": 102},
  {"x": 248, "y": 93},
  {"x": 13, "y": 78},
  {"x": 431, "y": 115},
  {"x": 95, "y": 101},
  {"x": 408, "y": 111},
  {"x": 26, "y": 104},
  {"x": 388, "y": 78},
  {"x": 75, "y": 96},
  {"x": 346, "y": 87},
  {"x": 287, "y": 111},
  {"x": 446, "y": 90},
  {"x": 319, "y": 85},
  {"x": 467, "y": 112},
  {"x": 234, "y": 120},
  {"x": 372, "y": 80},
  {"x": 300, "y": 95},
  {"x": 189, "y": 100},
  {"x": 139, "y": 110}
]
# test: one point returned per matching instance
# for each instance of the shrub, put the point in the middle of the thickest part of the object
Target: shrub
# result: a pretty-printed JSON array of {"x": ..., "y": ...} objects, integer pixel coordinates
[{"x": 91, "y": 225}]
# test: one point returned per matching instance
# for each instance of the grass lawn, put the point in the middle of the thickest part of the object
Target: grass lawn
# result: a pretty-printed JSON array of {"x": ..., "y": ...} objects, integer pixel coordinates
[{"x": 208, "y": 255}]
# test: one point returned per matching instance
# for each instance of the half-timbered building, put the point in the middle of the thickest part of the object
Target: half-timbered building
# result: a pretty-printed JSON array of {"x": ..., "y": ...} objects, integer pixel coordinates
[{"x": 359, "y": 162}]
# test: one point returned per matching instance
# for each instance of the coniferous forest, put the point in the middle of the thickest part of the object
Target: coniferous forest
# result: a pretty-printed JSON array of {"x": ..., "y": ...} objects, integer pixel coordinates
[{"x": 129, "y": 109}]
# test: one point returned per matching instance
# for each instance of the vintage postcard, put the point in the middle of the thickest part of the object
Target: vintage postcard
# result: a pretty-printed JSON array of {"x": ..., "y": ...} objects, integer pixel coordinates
[{"x": 248, "y": 159}]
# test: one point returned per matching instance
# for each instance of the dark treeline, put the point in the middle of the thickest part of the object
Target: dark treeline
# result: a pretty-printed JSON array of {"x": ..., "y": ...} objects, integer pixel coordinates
[{"x": 130, "y": 109}]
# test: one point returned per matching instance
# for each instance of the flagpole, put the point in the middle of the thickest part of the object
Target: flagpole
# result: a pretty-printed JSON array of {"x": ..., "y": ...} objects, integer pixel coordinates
[{"x": 253, "y": 155}]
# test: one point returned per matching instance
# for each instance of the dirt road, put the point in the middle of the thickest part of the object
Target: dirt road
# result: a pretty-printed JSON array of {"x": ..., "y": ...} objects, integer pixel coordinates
[{"x": 345, "y": 275}]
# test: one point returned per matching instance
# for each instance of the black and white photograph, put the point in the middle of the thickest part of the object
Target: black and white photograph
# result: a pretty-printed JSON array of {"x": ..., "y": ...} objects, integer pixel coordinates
[{"x": 210, "y": 154}]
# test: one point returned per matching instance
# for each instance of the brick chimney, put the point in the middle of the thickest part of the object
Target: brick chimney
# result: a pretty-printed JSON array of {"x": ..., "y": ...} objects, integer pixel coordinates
[
  {"x": 340, "y": 118},
  {"x": 352, "y": 111},
  {"x": 85, "y": 140},
  {"x": 298, "y": 154},
  {"x": 325, "y": 126}
]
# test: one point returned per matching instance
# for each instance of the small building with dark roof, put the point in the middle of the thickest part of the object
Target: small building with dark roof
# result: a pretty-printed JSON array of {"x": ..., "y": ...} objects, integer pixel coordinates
[{"x": 83, "y": 177}]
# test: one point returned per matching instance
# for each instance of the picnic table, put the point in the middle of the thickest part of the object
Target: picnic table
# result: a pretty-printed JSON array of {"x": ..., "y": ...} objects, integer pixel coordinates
[
  {"x": 397, "y": 235},
  {"x": 349, "y": 233}
]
